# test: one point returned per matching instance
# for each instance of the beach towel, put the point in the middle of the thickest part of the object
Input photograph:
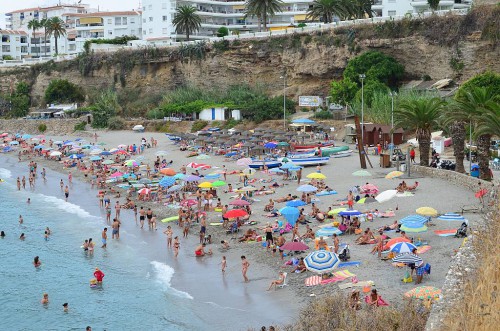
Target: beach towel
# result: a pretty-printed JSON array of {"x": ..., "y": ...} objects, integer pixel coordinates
[
  {"x": 338, "y": 277},
  {"x": 313, "y": 281},
  {"x": 423, "y": 249},
  {"x": 348, "y": 264},
  {"x": 358, "y": 284},
  {"x": 343, "y": 273},
  {"x": 446, "y": 233}
]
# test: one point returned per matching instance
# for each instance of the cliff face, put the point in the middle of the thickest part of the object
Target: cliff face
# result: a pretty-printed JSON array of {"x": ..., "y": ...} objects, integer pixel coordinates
[{"x": 311, "y": 62}]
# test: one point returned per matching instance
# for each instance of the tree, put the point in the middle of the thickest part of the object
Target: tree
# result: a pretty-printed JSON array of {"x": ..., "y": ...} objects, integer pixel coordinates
[
  {"x": 106, "y": 106},
  {"x": 342, "y": 92},
  {"x": 488, "y": 79},
  {"x": 186, "y": 20},
  {"x": 20, "y": 100},
  {"x": 222, "y": 32},
  {"x": 44, "y": 22},
  {"x": 55, "y": 28},
  {"x": 35, "y": 25},
  {"x": 360, "y": 8},
  {"x": 421, "y": 116},
  {"x": 263, "y": 9},
  {"x": 434, "y": 4},
  {"x": 371, "y": 87},
  {"x": 326, "y": 10},
  {"x": 61, "y": 90}
]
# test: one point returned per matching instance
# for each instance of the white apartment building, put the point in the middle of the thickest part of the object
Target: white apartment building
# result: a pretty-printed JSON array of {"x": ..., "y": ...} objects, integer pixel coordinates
[
  {"x": 387, "y": 8},
  {"x": 13, "y": 44}
]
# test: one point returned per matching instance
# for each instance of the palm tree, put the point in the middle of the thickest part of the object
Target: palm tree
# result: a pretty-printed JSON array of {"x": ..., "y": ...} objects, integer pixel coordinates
[
  {"x": 44, "y": 23},
  {"x": 34, "y": 25},
  {"x": 420, "y": 115},
  {"x": 327, "y": 9},
  {"x": 361, "y": 8},
  {"x": 55, "y": 27},
  {"x": 186, "y": 20},
  {"x": 262, "y": 9}
]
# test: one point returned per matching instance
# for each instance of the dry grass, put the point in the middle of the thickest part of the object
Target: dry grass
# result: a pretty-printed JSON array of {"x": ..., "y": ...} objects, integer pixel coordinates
[{"x": 480, "y": 308}]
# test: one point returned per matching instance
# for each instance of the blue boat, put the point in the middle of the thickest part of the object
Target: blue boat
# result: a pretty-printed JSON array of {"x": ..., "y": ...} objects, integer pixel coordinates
[
  {"x": 257, "y": 164},
  {"x": 172, "y": 137}
]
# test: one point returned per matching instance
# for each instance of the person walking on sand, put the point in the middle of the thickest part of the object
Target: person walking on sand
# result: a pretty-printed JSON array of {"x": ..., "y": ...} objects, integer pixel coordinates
[
  {"x": 116, "y": 229},
  {"x": 244, "y": 268},
  {"x": 177, "y": 245},
  {"x": 299, "y": 176},
  {"x": 66, "y": 193},
  {"x": 169, "y": 234},
  {"x": 223, "y": 265},
  {"x": 70, "y": 177},
  {"x": 104, "y": 237}
]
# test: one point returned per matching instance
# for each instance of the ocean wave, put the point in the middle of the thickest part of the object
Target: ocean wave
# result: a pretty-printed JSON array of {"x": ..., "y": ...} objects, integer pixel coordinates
[
  {"x": 164, "y": 274},
  {"x": 223, "y": 307},
  {"x": 5, "y": 173},
  {"x": 67, "y": 206}
]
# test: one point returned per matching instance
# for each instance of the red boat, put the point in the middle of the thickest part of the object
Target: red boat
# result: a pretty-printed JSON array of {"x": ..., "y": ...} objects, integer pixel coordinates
[{"x": 306, "y": 147}]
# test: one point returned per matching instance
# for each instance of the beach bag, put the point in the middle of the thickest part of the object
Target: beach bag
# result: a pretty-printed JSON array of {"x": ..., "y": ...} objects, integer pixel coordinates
[
  {"x": 407, "y": 278},
  {"x": 358, "y": 231}
]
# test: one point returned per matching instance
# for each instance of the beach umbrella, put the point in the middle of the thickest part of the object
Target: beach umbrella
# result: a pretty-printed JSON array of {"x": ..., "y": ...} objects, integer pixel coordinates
[
  {"x": 294, "y": 246},
  {"x": 188, "y": 202},
  {"x": 234, "y": 213},
  {"x": 321, "y": 261},
  {"x": 218, "y": 183},
  {"x": 144, "y": 181},
  {"x": 402, "y": 247},
  {"x": 95, "y": 158},
  {"x": 306, "y": 188},
  {"x": 14, "y": 142},
  {"x": 291, "y": 214},
  {"x": 131, "y": 163},
  {"x": 239, "y": 202},
  {"x": 413, "y": 227},
  {"x": 144, "y": 191},
  {"x": 203, "y": 157},
  {"x": 366, "y": 200},
  {"x": 121, "y": 152},
  {"x": 396, "y": 240},
  {"x": 205, "y": 185},
  {"x": 108, "y": 162},
  {"x": 161, "y": 153},
  {"x": 195, "y": 165},
  {"x": 386, "y": 196},
  {"x": 361, "y": 173},
  {"x": 328, "y": 231},
  {"x": 55, "y": 153},
  {"x": 106, "y": 153},
  {"x": 167, "y": 171},
  {"x": 7, "y": 149},
  {"x": 369, "y": 188},
  {"x": 303, "y": 121},
  {"x": 408, "y": 258},
  {"x": 26, "y": 136},
  {"x": 96, "y": 151},
  {"x": 212, "y": 176},
  {"x": 394, "y": 174},
  {"x": 427, "y": 211},
  {"x": 75, "y": 156},
  {"x": 67, "y": 143},
  {"x": 116, "y": 174},
  {"x": 283, "y": 144},
  {"x": 452, "y": 217},
  {"x": 277, "y": 171},
  {"x": 244, "y": 162},
  {"x": 350, "y": 212},
  {"x": 130, "y": 175},
  {"x": 58, "y": 142},
  {"x": 174, "y": 188},
  {"x": 413, "y": 218},
  {"x": 39, "y": 147},
  {"x": 191, "y": 178},
  {"x": 101, "y": 143},
  {"x": 287, "y": 165},
  {"x": 179, "y": 176},
  {"x": 316, "y": 175},
  {"x": 270, "y": 145},
  {"x": 167, "y": 181},
  {"x": 423, "y": 292},
  {"x": 295, "y": 203},
  {"x": 5, "y": 134},
  {"x": 336, "y": 211}
]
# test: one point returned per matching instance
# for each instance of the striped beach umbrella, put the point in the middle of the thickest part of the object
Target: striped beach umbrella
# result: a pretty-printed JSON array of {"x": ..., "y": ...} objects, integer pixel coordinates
[
  {"x": 167, "y": 181},
  {"x": 394, "y": 174},
  {"x": 336, "y": 211},
  {"x": 321, "y": 261},
  {"x": 402, "y": 247},
  {"x": 306, "y": 188},
  {"x": 424, "y": 292},
  {"x": 452, "y": 217},
  {"x": 413, "y": 218},
  {"x": 350, "y": 213},
  {"x": 408, "y": 258}
]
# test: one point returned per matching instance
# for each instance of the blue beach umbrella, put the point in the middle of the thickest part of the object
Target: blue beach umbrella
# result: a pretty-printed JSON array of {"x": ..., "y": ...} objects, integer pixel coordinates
[
  {"x": 296, "y": 203},
  {"x": 14, "y": 142},
  {"x": 95, "y": 158},
  {"x": 328, "y": 231},
  {"x": 192, "y": 178},
  {"x": 403, "y": 247},
  {"x": 39, "y": 147},
  {"x": 270, "y": 145},
  {"x": 7, "y": 149},
  {"x": 179, "y": 176},
  {"x": 408, "y": 258},
  {"x": 289, "y": 165},
  {"x": 413, "y": 227},
  {"x": 350, "y": 213},
  {"x": 414, "y": 218},
  {"x": 321, "y": 261},
  {"x": 276, "y": 170},
  {"x": 167, "y": 181},
  {"x": 75, "y": 156},
  {"x": 174, "y": 188},
  {"x": 126, "y": 176},
  {"x": 291, "y": 214},
  {"x": 106, "y": 153},
  {"x": 26, "y": 136},
  {"x": 212, "y": 176},
  {"x": 452, "y": 217},
  {"x": 306, "y": 188}
]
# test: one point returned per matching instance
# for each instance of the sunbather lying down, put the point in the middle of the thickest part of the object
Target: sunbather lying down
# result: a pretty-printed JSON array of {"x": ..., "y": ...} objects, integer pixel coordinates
[
  {"x": 272, "y": 213},
  {"x": 249, "y": 235},
  {"x": 390, "y": 227},
  {"x": 286, "y": 198}
]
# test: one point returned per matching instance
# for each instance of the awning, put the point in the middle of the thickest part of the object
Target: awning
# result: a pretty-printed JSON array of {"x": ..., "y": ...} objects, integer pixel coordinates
[
  {"x": 97, "y": 31},
  {"x": 91, "y": 20},
  {"x": 301, "y": 17},
  {"x": 239, "y": 7},
  {"x": 278, "y": 28}
]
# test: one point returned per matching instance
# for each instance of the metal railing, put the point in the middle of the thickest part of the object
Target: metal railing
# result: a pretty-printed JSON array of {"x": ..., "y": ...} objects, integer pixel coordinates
[{"x": 31, "y": 61}]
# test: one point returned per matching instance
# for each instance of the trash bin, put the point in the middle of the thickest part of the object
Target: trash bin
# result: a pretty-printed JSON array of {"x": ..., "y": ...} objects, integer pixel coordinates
[{"x": 385, "y": 160}]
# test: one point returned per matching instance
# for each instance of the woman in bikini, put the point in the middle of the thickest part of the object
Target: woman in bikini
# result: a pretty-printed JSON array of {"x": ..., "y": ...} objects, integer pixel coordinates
[{"x": 177, "y": 245}]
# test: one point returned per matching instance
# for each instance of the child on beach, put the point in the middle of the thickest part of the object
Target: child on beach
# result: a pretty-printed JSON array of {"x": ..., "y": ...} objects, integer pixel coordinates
[
  {"x": 244, "y": 268},
  {"x": 223, "y": 264}
]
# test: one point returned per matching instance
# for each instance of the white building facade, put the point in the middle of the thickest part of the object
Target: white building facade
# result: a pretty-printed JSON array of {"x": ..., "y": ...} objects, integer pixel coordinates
[{"x": 13, "y": 44}]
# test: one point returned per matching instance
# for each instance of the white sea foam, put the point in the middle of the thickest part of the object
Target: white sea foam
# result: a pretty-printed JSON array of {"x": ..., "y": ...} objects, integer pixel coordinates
[
  {"x": 5, "y": 173},
  {"x": 223, "y": 307},
  {"x": 164, "y": 274},
  {"x": 67, "y": 206}
]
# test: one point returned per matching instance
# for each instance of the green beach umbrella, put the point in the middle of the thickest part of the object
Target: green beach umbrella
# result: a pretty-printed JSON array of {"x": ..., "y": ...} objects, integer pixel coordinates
[
  {"x": 219, "y": 183},
  {"x": 361, "y": 173}
]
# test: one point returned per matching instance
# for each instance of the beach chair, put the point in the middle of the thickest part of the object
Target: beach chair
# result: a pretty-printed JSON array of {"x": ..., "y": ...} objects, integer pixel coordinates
[{"x": 285, "y": 274}]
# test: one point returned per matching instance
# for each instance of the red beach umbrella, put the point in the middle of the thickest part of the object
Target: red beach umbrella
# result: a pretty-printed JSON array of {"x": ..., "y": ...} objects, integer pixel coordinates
[
  {"x": 294, "y": 246},
  {"x": 235, "y": 213},
  {"x": 239, "y": 202}
]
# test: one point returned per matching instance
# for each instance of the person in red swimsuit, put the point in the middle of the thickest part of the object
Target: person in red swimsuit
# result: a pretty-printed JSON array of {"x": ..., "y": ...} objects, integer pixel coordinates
[{"x": 99, "y": 275}]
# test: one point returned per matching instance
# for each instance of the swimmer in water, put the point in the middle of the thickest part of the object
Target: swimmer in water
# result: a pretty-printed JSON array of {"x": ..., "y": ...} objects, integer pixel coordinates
[
  {"x": 65, "y": 307},
  {"x": 21, "y": 220},
  {"x": 22, "y": 237},
  {"x": 45, "y": 299},
  {"x": 36, "y": 262}
]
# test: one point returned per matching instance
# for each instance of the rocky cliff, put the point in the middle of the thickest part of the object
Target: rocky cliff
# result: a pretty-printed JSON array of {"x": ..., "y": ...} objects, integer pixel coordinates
[{"x": 311, "y": 61}]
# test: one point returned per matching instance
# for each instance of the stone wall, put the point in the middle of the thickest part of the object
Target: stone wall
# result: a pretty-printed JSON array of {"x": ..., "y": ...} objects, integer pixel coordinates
[
  {"x": 454, "y": 177},
  {"x": 54, "y": 126}
]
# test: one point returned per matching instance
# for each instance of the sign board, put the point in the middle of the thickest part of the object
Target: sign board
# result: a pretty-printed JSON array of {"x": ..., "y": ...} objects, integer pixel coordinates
[{"x": 309, "y": 101}]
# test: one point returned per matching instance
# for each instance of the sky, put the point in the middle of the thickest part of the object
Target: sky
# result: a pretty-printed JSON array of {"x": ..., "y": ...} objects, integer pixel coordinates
[{"x": 104, "y": 5}]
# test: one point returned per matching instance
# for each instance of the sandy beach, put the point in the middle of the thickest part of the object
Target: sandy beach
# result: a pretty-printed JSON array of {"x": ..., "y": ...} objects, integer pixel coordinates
[{"x": 252, "y": 297}]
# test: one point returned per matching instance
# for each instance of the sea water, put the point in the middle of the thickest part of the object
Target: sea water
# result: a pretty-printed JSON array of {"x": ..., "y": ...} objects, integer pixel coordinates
[{"x": 136, "y": 293}]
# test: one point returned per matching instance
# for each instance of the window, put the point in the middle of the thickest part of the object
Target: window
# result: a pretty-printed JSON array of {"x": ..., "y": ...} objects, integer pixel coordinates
[
  {"x": 165, "y": 18},
  {"x": 165, "y": 30},
  {"x": 144, "y": 32},
  {"x": 143, "y": 20},
  {"x": 144, "y": 8},
  {"x": 118, "y": 21},
  {"x": 391, "y": 13},
  {"x": 164, "y": 5},
  {"x": 132, "y": 32},
  {"x": 151, "y": 19},
  {"x": 124, "y": 20},
  {"x": 150, "y": 7},
  {"x": 132, "y": 20},
  {"x": 110, "y": 21},
  {"x": 150, "y": 31},
  {"x": 110, "y": 32}
]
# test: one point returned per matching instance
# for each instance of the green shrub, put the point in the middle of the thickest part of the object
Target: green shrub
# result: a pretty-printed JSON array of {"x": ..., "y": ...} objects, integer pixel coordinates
[
  {"x": 376, "y": 66},
  {"x": 487, "y": 79},
  {"x": 80, "y": 126},
  {"x": 7, "y": 57},
  {"x": 198, "y": 125},
  {"x": 305, "y": 109},
  {"x": 106, "y": 106},
  {"x": 116, "y": 123},
  {"x": 222, "y": 32},
  {"x": 42, "y": 127},
  {"x": 61, "y": 91},
  {"x": 323, "y": 115},
  {"x": 162, "y": 127},
  {"x": 230, "y": 123}
]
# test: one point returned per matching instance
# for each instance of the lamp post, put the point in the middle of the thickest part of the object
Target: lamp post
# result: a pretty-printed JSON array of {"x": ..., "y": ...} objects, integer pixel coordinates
[
  {"x": 284, "y": 101},
  {"x": 470, "y": 147},
  {"x": 362, "y": 77},
  {"x": 392, "y": 94}
]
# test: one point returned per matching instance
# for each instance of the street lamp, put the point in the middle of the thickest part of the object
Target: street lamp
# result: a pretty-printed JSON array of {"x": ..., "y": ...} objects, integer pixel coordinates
[
  {"x": 284, "y": 101},
  {"x": 392, "y": 94},
  {"x": 362, "y": 77}
]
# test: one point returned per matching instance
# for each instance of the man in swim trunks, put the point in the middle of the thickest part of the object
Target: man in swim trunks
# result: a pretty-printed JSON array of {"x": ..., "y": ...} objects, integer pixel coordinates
[
  {"x": 142, "y": 215},
  {"x": 116, "y": 229},
  {"x": 200, "y": 251},
  {"x": 104, "y": 237},
  {"x": 66, "y": 192},
  {"x": 149, "y": 215}
]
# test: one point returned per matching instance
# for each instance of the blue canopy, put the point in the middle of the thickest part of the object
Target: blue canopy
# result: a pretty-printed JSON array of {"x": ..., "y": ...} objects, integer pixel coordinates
[
  {"x": 303, "y": 121},
  {"x": 296, "y": 203},
  {"x": 291, "y": 214}
]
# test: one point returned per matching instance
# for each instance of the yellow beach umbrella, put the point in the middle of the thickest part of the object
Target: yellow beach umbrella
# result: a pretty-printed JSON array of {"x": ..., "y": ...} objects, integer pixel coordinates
[
  {"x": 205, "y": 185},
  {"x": 427, "y": 211},
  {"x": 316, "y": 175},
  {"x": 394, "y": 174}
]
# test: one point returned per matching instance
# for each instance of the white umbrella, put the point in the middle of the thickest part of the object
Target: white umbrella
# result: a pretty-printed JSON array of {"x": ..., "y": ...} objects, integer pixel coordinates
[
  {"x": 386, "y": 196},
  {"x": 55, "y": 153}
]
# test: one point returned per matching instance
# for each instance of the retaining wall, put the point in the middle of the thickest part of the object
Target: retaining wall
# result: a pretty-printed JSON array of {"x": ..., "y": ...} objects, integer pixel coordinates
[{"x": 54, "y": 126}]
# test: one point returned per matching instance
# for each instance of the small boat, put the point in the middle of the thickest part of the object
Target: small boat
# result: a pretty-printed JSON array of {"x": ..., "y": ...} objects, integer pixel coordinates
[
  {"x": 342, "y": 154},
  {"x": 257, "y": 164},
  {"x": 301, "y": 155},
  {"x": 172, "y": 137},
  {"x": 138, "y": 128},
  {"x": 306, "y": 147},
  {"x": 333, "y": 150},
  {"x": 310, "y": 161}
]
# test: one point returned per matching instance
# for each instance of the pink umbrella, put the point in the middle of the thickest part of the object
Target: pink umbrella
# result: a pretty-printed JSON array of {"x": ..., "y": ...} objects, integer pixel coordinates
[
  {"x": 239, "y": 202},
  {"x": 5, "y": 134},
  {"x": 188, "y": 203},
  {"x": 369, "y": 188},
  {"x": 144, "y": 191},
  {"x": 195, "y": 165},
  {"x": 116, "y": 174},
  {"x": 294, "y": 246},
  {"x": 244, "y": 162}
]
